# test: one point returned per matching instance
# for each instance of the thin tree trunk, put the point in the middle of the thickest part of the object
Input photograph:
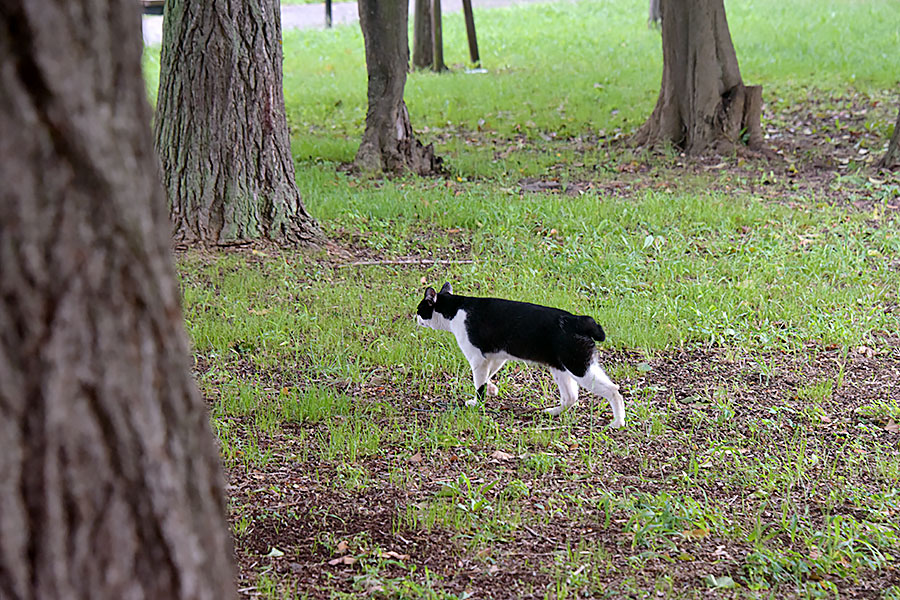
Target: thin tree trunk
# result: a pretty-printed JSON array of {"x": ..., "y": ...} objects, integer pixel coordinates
[
  {"x": 110, "y": 484},
  {"x": 437, "y": 37},
  {"x": 388, "y": 143},
  {"x": 892, "y": 157},
  {"x": 469, "y": 16},
  {"x": 422, "y": 36},
  {"x": 221, "y": 130},
  {"x": 654, "y": 15},
  {"x": 703, "y": 103}
]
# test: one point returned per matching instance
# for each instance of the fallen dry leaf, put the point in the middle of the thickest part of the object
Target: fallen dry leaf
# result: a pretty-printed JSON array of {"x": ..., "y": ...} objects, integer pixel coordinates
[
  {"x": 342, "y": 547},
  {"x": 395, "y": 555},
  {"x": 700, "y": 532},
  {"x": 416, "y": 458},
  {"x": 501, "y": 455},
  {"x": 892, "y": 427},
  {"x": 342, "y": 560},
  {"x": 721, "y": 552}
]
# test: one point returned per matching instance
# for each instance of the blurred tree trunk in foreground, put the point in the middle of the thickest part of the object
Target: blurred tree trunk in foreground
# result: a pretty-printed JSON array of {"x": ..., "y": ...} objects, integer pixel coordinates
[{"x": 110, "y": 483}]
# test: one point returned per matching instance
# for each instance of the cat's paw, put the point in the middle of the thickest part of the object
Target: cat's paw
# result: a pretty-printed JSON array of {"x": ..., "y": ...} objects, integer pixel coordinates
[
  {"x": 492, "y": 389},
  {"x": 554, "y": 411},
  {"x": 617, "y": 424},
  {"x": 471, "y": 401}
]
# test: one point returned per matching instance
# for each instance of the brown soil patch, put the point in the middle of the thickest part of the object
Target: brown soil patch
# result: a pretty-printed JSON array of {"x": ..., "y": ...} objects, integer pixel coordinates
[{"x": 305, "y": 508}]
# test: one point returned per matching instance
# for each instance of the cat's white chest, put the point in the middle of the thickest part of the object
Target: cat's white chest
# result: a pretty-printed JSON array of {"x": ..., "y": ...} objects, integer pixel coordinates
[{"x": 457, "y": 326}]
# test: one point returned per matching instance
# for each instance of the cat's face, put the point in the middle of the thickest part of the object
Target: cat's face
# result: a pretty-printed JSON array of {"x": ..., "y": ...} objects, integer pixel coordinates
[{"x": 425, "y": 312}]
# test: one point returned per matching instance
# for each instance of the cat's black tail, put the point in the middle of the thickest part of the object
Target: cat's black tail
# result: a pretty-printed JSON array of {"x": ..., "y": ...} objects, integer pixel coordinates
[{"x": 587, "y": 326}]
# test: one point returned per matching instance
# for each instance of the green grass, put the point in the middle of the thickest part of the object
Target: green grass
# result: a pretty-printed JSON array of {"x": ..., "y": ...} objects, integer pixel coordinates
[
  {"x": 610, "y": 63},
  {"x": 751, "y": 316},
  {"x": 658, "y": 270}
]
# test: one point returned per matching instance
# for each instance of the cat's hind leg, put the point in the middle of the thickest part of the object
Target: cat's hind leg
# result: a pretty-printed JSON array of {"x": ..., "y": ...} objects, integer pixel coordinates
[
  {"x": 597, "y": 381},
  {"x": 568, "y": 392}
]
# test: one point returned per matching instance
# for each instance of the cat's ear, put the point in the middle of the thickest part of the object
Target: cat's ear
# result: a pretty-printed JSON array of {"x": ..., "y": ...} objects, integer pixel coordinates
[
  {"x": 447, "y": 289},
  {"x": 430, "y": 295}
]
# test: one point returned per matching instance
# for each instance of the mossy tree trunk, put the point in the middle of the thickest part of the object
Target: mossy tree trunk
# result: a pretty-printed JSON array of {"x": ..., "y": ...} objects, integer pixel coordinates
[
  {"x": 221, "y": 130},
  {"x": 388, "y": 143},
  {"x": 703, "y": 104},
  {"x": 110, "y": 484},
  {"x": 892, "y": 157}
]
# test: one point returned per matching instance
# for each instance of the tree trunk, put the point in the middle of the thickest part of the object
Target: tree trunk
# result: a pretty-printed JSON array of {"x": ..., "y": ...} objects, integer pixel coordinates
[
  {"x": 703, "y": 103},
  {"x": 221, "y": 130},
  {"x": 654, "y": 17},
  {"x": 110, "y": 484},
  {"x": 422, "y": 36},
  {"x": 437, "y": 37},
  {"x": 389, "y": 143},
  {"x": 892, "y": 157}
]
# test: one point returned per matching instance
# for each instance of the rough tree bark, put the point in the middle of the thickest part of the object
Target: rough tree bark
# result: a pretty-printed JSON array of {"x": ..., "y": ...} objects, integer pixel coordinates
[
  {"x": 892, "y": 157},
  {"x": 221, "y": 130},
  {"x": 110, "y": 484},
  {"x": 703, "y": 104},
  {"x": 388, "y": 143}
]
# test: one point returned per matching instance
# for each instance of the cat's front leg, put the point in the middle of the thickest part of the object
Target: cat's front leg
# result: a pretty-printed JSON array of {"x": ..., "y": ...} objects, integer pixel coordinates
[
  {"x": 481, "y": 372},
  {"x": 494, "y": 366},
  {"x": 479, "y": 395},
  {"x": 486, "y": 388}
]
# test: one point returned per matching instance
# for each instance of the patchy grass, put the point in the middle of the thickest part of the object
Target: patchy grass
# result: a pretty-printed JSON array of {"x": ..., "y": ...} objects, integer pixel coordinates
[
  {"x": 757, "y": 344},
  {"x": 751, "y": 308}
]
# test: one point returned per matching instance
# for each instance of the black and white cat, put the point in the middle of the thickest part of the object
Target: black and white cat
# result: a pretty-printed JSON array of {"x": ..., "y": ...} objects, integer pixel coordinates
[{"x": 491, "y": 331}]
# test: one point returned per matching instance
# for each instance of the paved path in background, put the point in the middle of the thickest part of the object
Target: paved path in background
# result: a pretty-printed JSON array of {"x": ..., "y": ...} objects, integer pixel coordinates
[{"x": 303, "y": 16}]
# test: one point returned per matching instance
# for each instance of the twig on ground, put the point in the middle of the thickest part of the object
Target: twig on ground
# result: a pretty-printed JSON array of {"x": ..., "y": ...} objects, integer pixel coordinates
[
  {"x": 538, "y": 535},
  {"x": 415, "y": 261}
]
